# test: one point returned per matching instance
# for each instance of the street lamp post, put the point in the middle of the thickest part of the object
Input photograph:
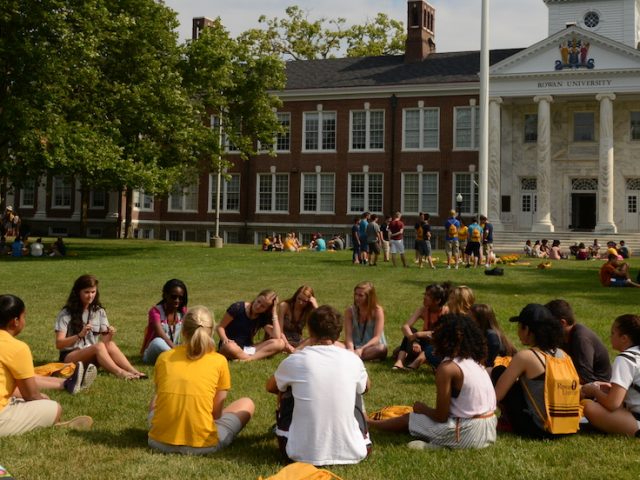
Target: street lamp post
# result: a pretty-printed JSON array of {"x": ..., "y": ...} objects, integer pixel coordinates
[{"x": 459, "y": 204}]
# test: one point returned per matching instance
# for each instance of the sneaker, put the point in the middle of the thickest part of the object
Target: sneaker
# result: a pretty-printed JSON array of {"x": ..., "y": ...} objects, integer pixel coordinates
[
  {"x": 74, "y": 382},
  {"x": 456, "y": 267},
  {"x": 422, "y": 445},
  {"x": 83, "y": 422},
  {"x": 449, "y": 267},
  {"x": 89, "y": 376}
]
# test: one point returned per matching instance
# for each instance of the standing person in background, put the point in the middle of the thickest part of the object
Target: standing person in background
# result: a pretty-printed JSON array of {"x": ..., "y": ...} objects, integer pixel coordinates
[
  {"x": 362, "y": 233},
  {"x": 463, "y": 238},
  {"x": 475, "y": 240},
  {"x": 451, "y": 242},
  {"x": 384, "y": 230},
  {"x": 426, "y": 229},
  {"x": 487, "y": 240},
  {"x": 355, "y": 240},
  {"x": 396, "y": 229},
  {"x": 588, "y": 353},
  {"x": 374, "y": 239},
  {"x": 417, "y": 245}
]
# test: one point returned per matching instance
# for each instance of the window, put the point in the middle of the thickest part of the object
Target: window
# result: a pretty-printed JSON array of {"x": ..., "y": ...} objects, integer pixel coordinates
[
  {"x": 28, "y": 195},
  {"x": 283, "y": 139},
  {"x": 583, "y": 127},
  {"x": 61, "y": 194},
  {"x": 531, "y": 128},
  {"x": 318, "y": 192},
  {"x": 421, "y": 129},
  {"x": 184, "y": 199},
  {"x": 635, "y": 125},
  {"x": 142, "y": 201},
  {"x": 467, "y": 128},
  {"x": 466, "y": 184},
  {"x": 319, "y": 131},
  {"x": 273, "y": 192},
  {"x": 367, "y": 130},
  {"x": 365, "y": 192},
  {"x": 230, "y": 198},
  {"x": 420, "y": 193},
  {"x": 591, "y": 19},
  {"x": 97, "y": 199}
]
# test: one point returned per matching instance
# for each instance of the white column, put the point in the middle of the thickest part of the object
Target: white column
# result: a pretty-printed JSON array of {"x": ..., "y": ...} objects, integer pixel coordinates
[
  {"x": 605, "y": 222},
  {"x": 542, "y": 222},
  {"x": 77, "y": 203},
  {"x": 495, "y": 126},
  {"x": 41, "y": 202}
]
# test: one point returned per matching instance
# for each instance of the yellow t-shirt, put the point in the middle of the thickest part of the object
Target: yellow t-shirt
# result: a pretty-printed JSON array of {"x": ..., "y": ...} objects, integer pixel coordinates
[
  {"x": 16, "y": 363},
  {"x": 185, "y": 391}
]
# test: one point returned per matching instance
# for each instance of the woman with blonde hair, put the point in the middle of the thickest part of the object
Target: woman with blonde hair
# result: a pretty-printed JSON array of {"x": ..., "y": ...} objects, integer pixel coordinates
[
  {"x": 187, "y": 413},
  {"x": 461, "y": 299},
  {"x": 364, "y": 324}
]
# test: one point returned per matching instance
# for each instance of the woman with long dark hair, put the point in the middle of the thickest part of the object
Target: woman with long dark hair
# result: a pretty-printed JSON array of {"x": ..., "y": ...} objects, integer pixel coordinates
[
  {"x": 83, "y": 332},
  {"x": 165, "y": 321},
  {"x": 293, "y": 314}
]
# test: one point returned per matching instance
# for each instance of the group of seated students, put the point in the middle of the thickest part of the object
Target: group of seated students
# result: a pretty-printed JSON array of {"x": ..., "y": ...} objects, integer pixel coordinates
[
  {"x": 22, "y": 247},
  {"x": 321, "y": 417},
  {"x": 541, "y": 249}
]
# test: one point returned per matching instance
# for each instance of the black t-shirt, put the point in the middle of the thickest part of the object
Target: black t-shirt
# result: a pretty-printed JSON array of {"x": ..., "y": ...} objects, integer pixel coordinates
[
  {"x": 589, "y": 355},
  {"x": 242, "y": 329}
]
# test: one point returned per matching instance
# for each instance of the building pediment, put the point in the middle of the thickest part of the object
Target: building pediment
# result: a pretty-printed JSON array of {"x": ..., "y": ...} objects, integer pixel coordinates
[{"x": 568, "y": 52}]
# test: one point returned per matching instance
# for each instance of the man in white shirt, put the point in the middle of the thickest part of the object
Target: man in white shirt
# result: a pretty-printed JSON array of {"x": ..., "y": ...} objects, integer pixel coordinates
[{"x": 325, "y": 382}]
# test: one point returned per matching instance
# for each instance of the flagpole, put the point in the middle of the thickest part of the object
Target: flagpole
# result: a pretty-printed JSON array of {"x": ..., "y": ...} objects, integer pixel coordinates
[{"x": 483, "y": 157}]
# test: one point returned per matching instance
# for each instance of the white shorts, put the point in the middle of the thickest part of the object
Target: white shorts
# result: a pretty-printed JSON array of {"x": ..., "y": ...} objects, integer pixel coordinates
[
  {"x": 455, "y": 432},
  {"x": 397, "y": 246},
  {"x": 19, "y": 416},
  {"x": 228, "y": 426}
]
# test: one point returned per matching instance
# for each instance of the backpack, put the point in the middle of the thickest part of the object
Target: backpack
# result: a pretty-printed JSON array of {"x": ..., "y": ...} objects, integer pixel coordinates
[
  {"x": 476, "y": 235},
  {"x": 302, "y": 471},
  {"x": 561, "y": 394},
  {"x": 452, "y": 232}
]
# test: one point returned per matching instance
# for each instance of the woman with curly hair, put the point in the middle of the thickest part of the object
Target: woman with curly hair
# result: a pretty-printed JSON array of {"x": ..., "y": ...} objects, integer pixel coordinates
[
  {"x": 463, "y": 416},
  {"x": 293, "y": 314},
  {"x": 83, "y": 332},
  {"x": 542, "y": 333},
  {"x": 364, "y": 324},
  {"x": 614, "y": 407}
]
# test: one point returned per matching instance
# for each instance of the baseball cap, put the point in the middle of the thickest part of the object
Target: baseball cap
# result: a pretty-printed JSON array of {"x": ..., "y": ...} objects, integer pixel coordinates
[{"x": 534, "y": 313}]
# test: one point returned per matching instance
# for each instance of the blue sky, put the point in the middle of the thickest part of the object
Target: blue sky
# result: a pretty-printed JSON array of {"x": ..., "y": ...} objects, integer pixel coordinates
[{"x": 513, "y": 23}]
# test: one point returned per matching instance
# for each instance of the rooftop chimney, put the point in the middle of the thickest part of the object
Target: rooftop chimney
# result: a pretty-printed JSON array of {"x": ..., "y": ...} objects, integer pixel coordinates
[
  {"x": 199, "y": 24},
  {"x": 421, "y": 19}
]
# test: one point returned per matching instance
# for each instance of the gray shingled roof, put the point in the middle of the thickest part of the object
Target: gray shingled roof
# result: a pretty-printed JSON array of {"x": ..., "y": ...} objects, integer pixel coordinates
[{"x": 452, "y": 67}]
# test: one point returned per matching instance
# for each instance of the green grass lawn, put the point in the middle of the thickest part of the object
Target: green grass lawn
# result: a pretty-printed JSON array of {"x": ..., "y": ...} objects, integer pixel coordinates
[{"x": 131, "y": 275}]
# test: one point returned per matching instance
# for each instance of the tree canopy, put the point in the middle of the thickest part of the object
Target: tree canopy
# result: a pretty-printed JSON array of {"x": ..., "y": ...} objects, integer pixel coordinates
[{"x": 296, "y": 37}]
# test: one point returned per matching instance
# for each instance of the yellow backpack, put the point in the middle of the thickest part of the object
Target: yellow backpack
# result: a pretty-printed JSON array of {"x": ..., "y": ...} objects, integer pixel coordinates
[
  {"x": 390, "y": 412},
  {"x": 452, "y": 231},
  {"x": 302, "y": 471},
  {"x": 476, "y": 236},
  {"x": 561, "y": 394}
]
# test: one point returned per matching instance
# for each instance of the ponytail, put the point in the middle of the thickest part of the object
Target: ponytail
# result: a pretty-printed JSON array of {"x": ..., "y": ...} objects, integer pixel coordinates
[{"x": 197, "y": 328}]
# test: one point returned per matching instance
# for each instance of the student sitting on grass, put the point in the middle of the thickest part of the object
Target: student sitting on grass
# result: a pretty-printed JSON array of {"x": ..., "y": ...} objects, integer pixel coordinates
[
  {"x": 364, "y": 324},
  {"x": 615, "y": 273},
  {"x": 165, "y": 321},
  {"x": 320, "y": 388},
  {"x": 22, "y": 407},
  {"x": 416, "y": 346},
  {"x": 83, "y": 332},
  {"x": 526, "y": 413},
  {"x": 463, "y": 416},
  {"x": 187, "y": 413},
  {"x": 497, "y": 342},
  {"x": 615, "y": 405},
  {"x": 241, "y": 323}
]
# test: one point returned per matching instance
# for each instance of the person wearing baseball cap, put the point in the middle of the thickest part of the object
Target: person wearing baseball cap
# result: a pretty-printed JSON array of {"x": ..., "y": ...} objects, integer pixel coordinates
[{"x": 539, "y": 330}]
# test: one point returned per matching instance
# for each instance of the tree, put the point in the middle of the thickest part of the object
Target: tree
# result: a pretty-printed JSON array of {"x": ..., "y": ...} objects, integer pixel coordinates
[{"x": 295, "y": 37}]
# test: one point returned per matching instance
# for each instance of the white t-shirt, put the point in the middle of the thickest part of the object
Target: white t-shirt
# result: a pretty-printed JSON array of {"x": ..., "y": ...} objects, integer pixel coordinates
[
  {"x": 36, "y": 249},
  {"x": 625, "y": 372},
  {"x": 324, "y": 381}
]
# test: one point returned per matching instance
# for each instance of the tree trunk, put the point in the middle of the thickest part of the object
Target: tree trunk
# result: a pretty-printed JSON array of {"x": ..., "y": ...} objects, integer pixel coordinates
[{"x": 128, "y": 211}]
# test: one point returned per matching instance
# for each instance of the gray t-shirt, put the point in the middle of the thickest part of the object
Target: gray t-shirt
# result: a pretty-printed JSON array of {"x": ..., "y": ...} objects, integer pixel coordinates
[
  {"x": 372, "y": 232},
  {"x": 97, "y": 319}
]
